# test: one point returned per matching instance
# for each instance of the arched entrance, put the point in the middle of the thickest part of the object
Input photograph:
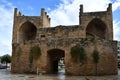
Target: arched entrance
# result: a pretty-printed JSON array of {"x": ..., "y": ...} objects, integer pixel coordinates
[
  {"x": 27, "y": 32},
  {"x": 96, "y": 28},
  {"x": 55, "y": 60}
]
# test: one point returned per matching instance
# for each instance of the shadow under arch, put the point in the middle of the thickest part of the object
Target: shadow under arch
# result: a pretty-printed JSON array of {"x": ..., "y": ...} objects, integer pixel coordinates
[
  {"x": 27, "y": 31},
  {"x": 96, "y": 28},
  {"x": 54, "y": 56}
]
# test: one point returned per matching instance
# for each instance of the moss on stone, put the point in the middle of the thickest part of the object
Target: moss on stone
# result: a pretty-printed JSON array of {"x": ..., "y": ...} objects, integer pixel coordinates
[
  {"x": 95, "y": 56},
  {"x": 78, "y": 52},
  {"x": 35, "y": 52}
]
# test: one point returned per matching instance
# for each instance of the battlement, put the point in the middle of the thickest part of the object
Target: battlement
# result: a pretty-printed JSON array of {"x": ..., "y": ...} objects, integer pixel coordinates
[
  {"x": 17, "y": 12},
  {"x": 45, "y": 18},
  {"x": 41, "y": 21},
  {"x": 43, "y": 13},
  {"x": 109, "y": 9}
]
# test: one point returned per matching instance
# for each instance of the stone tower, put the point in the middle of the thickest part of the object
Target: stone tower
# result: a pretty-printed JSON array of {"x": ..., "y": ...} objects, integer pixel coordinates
[
  {"x": 97, "y": 23},
  {"x": 37, "y": 46},
  {"x": 26, "y": 27}
]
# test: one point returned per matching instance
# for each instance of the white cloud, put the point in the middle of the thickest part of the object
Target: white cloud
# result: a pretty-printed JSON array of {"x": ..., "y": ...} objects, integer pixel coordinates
[
  {"x": 6, "y": 23},
  {"x": 116, "y": 31},
  {"x": 116, "y": 5},
  {"x": 67, "y": 12}
]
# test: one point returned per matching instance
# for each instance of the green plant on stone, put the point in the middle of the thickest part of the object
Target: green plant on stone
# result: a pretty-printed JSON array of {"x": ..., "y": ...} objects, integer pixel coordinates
[
  {"x": 93, "y": 39},
  {"x": 82, "y": 54},
  {"x": 78, "y": 52},
  {"x": 18, "y": 52},
  {"x": 35, "y": 52},
  {"x": 96, "y": 58}
]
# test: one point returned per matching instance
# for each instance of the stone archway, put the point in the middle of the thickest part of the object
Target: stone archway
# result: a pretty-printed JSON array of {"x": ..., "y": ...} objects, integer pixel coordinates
[
  {"x": 27, "y": 32},
  {"x": 54, "y": 55},
  {"x": 96, "y": 28}
]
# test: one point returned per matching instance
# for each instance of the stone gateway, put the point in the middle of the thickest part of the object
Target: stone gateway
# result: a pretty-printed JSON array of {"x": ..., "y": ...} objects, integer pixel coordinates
[{"x": 87, "y": 48}]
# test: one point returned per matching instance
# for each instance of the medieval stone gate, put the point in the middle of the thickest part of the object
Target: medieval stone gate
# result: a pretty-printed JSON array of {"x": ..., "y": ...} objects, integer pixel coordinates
[{"x": 36, "y": 45}]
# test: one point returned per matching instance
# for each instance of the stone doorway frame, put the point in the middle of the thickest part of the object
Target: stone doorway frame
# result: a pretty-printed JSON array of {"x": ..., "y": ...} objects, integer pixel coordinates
[{"x": 54, "y": 55}]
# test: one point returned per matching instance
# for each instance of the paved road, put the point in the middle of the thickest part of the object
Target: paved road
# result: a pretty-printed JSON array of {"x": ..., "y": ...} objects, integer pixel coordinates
[{"x": 6, "y": 75}]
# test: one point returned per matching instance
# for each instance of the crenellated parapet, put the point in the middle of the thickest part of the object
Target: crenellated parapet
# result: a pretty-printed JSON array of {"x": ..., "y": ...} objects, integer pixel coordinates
[
  {"x": 17, "y": 12},
  {"x": 45, "y": 18},
  {"x": 109, "y": 7}
]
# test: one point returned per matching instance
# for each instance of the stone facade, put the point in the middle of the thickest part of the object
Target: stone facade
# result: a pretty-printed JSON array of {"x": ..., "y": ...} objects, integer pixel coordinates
[
  {"x": 118, "y": 45},
  {"x": 94, "y": 32}
]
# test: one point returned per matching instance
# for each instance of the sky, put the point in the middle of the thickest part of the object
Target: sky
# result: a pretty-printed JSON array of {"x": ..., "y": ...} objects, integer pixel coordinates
[{"x": 61, "y": 12}]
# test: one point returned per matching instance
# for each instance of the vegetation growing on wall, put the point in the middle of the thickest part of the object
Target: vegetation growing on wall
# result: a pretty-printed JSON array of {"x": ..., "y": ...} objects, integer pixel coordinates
[
  {"x": 18, "y": 52},
  {"x": 35, "y": 52},
  {"x": 94, "y": 39},
  {"x": 78, "y": 52},
  {"x": 95, "y": 56}
]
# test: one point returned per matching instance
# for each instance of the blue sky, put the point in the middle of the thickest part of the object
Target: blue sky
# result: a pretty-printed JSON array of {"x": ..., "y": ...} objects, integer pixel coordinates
[{"x": 57, "y": 10}]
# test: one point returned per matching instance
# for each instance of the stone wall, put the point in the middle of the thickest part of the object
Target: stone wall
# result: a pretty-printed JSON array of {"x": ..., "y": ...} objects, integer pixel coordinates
[
  {"x": 107, "y": 64},
  {"x": 107, "y": 53},
  {"x": 74, "y": 31}
]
